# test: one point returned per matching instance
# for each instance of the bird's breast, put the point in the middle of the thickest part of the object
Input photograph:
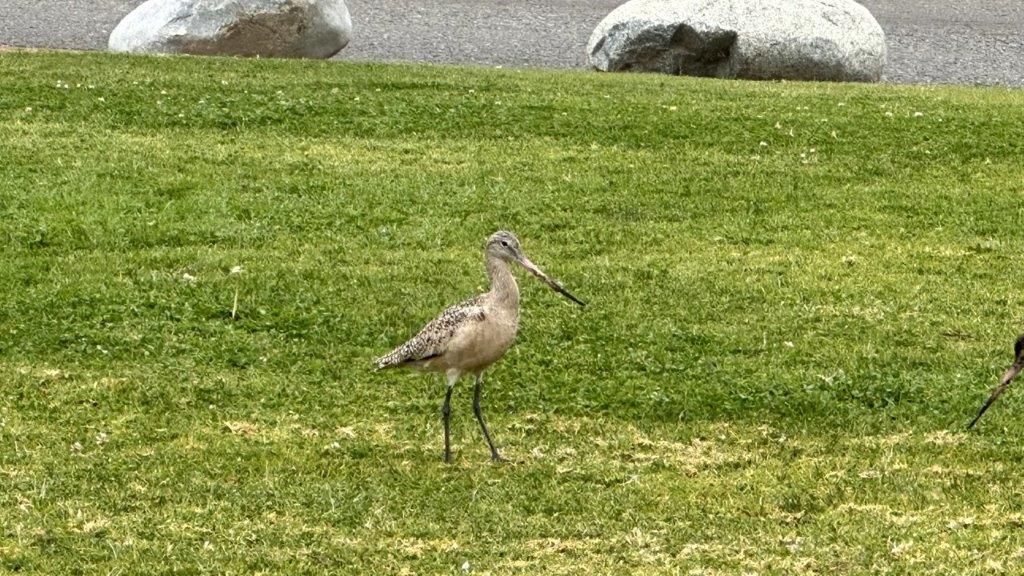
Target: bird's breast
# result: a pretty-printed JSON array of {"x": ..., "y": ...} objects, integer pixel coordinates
[{"x": 483, "y": 343}]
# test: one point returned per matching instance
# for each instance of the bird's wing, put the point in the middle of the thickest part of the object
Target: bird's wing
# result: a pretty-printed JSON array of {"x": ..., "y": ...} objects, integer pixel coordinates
[{"x": 433, "y": 339}]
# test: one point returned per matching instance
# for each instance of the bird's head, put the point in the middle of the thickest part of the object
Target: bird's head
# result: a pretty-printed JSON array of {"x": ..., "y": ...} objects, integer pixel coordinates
[
  {"x": 1018, "y": 361},
  {"x": 505, "y": 246}
]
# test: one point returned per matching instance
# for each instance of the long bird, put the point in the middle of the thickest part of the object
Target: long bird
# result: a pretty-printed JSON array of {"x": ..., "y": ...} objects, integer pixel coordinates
[
  {"x": 1004, "y": 382},
  {"x": 470, "y": 336}
]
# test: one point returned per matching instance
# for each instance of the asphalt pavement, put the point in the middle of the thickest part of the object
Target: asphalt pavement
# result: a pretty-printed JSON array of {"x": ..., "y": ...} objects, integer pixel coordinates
[{"x": 930, "y": 41}]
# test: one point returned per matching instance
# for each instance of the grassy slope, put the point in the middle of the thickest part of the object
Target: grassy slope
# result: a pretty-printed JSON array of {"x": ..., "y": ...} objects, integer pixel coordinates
[{"x": 783, "y": 344}]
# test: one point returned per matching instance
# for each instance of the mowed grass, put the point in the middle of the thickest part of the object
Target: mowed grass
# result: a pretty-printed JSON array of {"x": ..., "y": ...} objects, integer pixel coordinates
[{"x": 799, "y": 294}]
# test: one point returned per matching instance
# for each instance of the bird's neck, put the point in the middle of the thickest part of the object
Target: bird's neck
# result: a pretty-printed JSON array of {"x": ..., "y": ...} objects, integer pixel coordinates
[{"x": 503, "y": 283}]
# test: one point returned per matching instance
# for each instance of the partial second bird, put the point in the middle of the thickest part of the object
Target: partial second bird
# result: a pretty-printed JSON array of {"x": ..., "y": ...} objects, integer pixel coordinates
[
  {"x": 1004, "y": 382},
  {"x": 469, "y": 337}
]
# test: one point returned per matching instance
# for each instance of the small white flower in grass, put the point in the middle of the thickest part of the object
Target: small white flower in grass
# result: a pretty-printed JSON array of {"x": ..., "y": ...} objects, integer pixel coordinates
[
  {"x": 673, "y": 108},
  {"x": 841, "y": 104},
  {"x": 465, "y": 566},
  {"x": 813, "y": 150},
  {"x": 763, "y": 143},
  {"x": 188, "y": 278},
  {"x": 102, "y": 99},
  {"x": 223, "y": 82},
  {"x": 28, "y": 109},
  {"x": 101, "y": 438},
  {"x": 918, "y": 114},
  {"x": 91, "y": 87},
  {"x": 76, "y": 447},
  {"x": 237, "y": 270},
  {"x": 888, "y": 114},
  {"x": 788, "y": 344}
]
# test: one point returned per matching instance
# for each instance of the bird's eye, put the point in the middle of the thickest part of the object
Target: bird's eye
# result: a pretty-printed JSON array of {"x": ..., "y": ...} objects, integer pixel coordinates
[{"x": 505, "y": 244}]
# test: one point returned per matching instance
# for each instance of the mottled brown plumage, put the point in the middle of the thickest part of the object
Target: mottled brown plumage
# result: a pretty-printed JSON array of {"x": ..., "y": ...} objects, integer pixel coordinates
[
  {"x": 432, "y": 340},
  {"x": 468, "y": 337}
]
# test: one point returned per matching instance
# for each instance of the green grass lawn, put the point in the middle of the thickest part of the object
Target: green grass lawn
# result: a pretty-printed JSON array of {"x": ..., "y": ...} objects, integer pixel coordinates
[{"x": 799, "y": 294}]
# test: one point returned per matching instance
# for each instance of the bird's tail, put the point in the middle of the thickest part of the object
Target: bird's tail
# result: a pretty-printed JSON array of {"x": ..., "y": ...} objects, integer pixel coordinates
[{"x": 387, "y": 361}]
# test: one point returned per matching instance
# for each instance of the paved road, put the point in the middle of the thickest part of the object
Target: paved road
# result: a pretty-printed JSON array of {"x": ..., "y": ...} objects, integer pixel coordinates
[{"x": 930, "y": 41}]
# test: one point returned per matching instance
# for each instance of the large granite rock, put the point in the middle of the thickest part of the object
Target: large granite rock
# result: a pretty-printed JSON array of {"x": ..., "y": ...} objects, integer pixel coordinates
[
  {"x": 757, "y": 39},
  {"x": 268, "y": 28}
]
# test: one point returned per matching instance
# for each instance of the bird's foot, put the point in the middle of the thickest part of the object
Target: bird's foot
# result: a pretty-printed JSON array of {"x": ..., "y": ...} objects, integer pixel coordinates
[{"x": 498, "y": 458}]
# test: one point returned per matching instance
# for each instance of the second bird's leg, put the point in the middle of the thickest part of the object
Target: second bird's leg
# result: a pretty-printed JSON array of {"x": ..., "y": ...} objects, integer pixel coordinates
[
  {"x": 446, "y": 411},
  {"x": 480, "y": 417}
]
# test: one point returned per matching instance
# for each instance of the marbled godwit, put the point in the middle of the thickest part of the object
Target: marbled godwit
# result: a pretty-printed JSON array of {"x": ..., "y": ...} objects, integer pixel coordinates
[
  {"x": 470, "y": 336},
  {"x": 1004, "y": 382}
]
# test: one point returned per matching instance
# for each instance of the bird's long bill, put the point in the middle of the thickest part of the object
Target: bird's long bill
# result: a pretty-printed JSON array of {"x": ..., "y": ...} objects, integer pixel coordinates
[
  {"x": 1004, "y": 383},
  {"x": 544, "y": 277}
]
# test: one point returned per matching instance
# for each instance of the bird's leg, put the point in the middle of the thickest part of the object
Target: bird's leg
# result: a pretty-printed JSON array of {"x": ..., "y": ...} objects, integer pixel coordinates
[
  {"x": 446, "y": 411},
  {"x": 480, "y": 417}
]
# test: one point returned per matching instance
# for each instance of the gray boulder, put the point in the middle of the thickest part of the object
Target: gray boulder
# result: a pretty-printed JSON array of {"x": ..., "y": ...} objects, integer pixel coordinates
[
  {"x": 269, "y": 28},
  {"x": 757, "y": 39}
]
